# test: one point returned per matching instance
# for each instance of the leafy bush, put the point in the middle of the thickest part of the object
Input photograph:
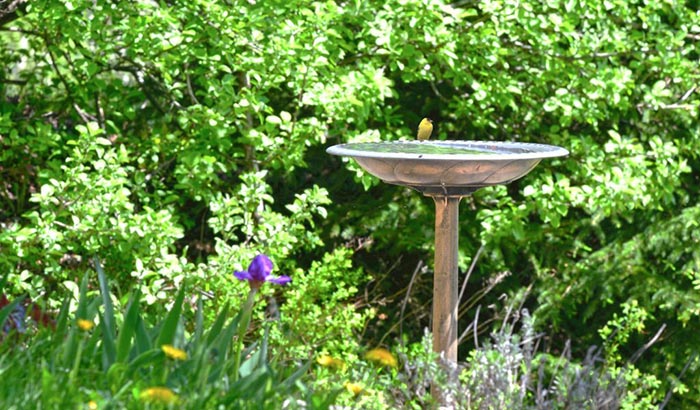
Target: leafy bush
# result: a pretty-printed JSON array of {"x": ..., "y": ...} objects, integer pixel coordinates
[
  {"x": 175, "y": 139},
  {"x": 84, "y": 207}
]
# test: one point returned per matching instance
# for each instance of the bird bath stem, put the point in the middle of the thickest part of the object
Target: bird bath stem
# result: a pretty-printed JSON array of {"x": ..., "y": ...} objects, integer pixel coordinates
[
  {"x": 447, "y": 171},
  {"x": 445, "y": 283}
]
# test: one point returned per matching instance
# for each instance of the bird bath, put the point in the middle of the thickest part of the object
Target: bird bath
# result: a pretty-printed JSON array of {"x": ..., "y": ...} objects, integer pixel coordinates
[{"x": 447, "y": 171}]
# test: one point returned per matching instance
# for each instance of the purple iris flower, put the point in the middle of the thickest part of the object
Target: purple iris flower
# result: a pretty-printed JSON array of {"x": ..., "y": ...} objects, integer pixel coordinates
[{"x": 259, "y": 272}]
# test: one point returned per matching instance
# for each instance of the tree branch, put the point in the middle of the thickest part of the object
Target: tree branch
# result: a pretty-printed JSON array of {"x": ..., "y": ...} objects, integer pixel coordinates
[
  {"x": 12, "y": 82},
  {"x": 11, "y": 11}
]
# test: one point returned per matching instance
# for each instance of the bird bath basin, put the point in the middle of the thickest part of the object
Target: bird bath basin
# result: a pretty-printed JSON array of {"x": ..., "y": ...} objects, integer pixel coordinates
[
  {"x": 447, "y": 171},
  {"x": 447, "y": 167}
]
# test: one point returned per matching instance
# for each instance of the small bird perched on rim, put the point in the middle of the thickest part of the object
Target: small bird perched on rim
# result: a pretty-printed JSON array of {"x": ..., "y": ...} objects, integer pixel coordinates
[{"x": 425, "y": 128}]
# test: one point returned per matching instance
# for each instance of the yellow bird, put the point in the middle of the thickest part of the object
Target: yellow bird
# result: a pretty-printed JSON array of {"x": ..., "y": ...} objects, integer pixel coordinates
[{"x": 425, "y": 128}]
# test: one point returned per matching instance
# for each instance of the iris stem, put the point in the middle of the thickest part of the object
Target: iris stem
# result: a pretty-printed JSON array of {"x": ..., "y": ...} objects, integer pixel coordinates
[
  {"x": 246, "y": 313},
  {"x": 76, "y": 362}
]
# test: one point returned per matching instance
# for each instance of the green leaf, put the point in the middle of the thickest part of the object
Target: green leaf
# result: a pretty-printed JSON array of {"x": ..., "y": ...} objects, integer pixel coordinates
[
  {"x": 107, "y": 324},
  {"x": 62, "y": 320},
  {"x": 142, "y": 340},
  {"x": 199, "y": 323},
  {"x": 169, "y": 325},
  {"x": 218, "y": 324},
  {"x": 128, "y": 327},
  {"x": 254, "y": 385},
  {"x": 151, "y": 357},
  {"x": 290, "y": 381}
]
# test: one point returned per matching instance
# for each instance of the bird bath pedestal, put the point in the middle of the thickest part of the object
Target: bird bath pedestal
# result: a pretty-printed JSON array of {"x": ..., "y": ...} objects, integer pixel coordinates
[{"x": 447, "y": 171}]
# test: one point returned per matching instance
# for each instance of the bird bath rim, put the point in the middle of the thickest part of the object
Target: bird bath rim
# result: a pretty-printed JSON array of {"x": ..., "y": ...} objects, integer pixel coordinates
[
  {"x": 447, "y": 168},
  {"x": 489, "y": 150}
]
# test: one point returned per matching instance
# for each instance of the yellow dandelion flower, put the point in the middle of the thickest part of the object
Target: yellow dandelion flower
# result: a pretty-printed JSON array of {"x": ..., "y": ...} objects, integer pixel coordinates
[
  {"x": 92, "y": 405},
  {"x": 158, "y": 395},
  {"x": 174, "y": 353},
  {"x": 354, "y": 388},
  {"x": 331, "y": 362},
  {"x": 85, "y": 324},
  {"x": 382, "y": 356}
]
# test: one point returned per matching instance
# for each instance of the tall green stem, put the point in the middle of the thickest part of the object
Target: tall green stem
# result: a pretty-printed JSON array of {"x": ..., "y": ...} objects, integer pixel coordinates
[
  {"x": 76, "y": 363},
  {"x": 246, "y": 313}
]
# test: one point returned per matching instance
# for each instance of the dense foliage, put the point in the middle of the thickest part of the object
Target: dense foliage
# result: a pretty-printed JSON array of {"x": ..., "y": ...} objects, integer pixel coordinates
[{"x": 178, "y": 139}]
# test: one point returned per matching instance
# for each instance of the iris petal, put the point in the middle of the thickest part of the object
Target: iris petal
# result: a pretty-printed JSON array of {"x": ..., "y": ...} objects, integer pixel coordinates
[
  {"x": 282, "y": 280},
  {"x": 259, "y": 272},
  {"x": 260, "y": 267},
  {"x": 243, "y": 275}
]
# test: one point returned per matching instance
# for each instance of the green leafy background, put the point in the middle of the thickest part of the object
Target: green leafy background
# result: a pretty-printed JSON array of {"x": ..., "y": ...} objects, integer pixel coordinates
[{"x": 178, "y": 139}]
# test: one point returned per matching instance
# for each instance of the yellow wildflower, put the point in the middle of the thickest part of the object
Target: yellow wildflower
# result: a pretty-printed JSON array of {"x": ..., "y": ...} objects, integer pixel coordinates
[
  {"x": 85, "y": 324},
  {"x": 158, "y": 395},
  {"x": 354, "y": 388},
  {"x": 331, "y": 362},
  {"x": 382, "y": 356},
  {"x": 174, "y": 353},
  {"x": 92, "y": 405}
]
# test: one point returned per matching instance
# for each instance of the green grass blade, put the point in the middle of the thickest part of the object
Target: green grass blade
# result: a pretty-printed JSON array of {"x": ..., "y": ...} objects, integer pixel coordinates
[
  {"x": 82, "y": 310},
  {"x": 107, "y": 322},
  {"x": 69, "y": 347},
  {"x": 215, "y": 329},
  {"x": 227, "y": 336},
  {"x": 106, "y": 297},
  {"x": 169, "y": 326},
  {"x": 289, "y": 382},
  {"x": 109, "y": 349},
  {"x": 263, "y": 346},
  {"x": 198, "y": 323},
  {"x": 219, "y": 349},
  {"x": 62, "y": 320},
  {"x": 128, "y": 328},
  {"x": 143, "y": 341},
  {"x": 250, "y": 365},
  {"x": 251, "y": 387},
  {"x": 150, "y": 358}
]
